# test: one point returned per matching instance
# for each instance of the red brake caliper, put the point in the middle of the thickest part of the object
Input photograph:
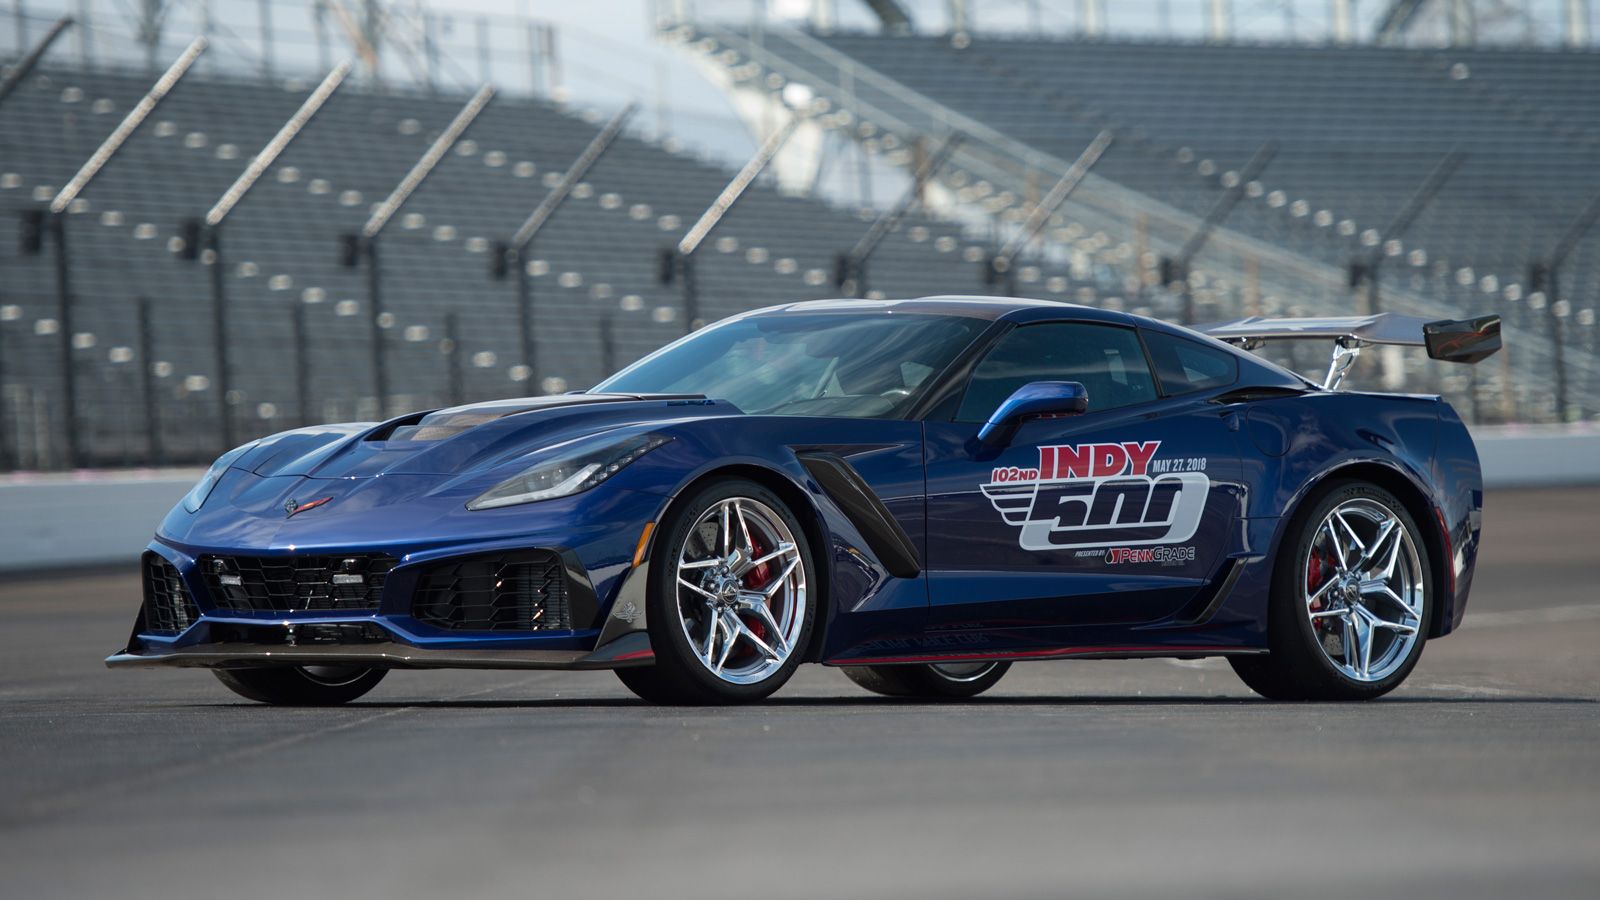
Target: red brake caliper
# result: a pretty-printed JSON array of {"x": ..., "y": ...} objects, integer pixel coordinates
[
  {"x": 756, "y": 579},
  {"x": 1321, "y": 568}
]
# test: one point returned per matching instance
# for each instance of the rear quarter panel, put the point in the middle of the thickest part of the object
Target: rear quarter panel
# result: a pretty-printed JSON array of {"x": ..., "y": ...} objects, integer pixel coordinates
[{"x": 1413, "y": 446}]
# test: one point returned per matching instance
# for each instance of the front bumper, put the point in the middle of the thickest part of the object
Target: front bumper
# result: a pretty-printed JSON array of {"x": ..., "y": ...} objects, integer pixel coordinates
[
  {"x": 604, "y": 592},
  {"x": 632, "y": 649}
]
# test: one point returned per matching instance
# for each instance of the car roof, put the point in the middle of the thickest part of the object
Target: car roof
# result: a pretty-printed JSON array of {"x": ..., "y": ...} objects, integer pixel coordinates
[
  {"x": 1022, "y": 310},
  {"x": 1010, "y": 309}
]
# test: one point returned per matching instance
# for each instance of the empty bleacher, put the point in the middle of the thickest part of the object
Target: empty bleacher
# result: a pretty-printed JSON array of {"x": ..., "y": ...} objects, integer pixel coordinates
[
  {"x": 597, "y": 259},
  {"x": 1357, "y": 131}
]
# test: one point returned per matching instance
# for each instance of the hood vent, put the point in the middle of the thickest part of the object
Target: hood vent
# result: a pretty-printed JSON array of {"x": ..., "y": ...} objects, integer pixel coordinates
[{"x": 447, "y": 423}]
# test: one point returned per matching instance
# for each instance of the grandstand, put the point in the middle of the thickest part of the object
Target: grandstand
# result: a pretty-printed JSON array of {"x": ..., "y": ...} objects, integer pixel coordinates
[
  {"x": 598, "y": 259},
  {"x": 1354, "y": 131}
]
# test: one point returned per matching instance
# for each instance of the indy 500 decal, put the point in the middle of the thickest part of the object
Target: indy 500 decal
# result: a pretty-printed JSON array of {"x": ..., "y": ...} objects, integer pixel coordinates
[{"x": 1101, "y": 495}]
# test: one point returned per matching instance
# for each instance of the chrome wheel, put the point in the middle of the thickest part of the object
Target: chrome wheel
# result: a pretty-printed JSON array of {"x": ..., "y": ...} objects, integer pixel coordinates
[
  {"x": 333, "y": 676},
  {"x": 963, "y": 672},
  {"x": 741, "y": 590},
  {"x": 1364, "y": 590}
]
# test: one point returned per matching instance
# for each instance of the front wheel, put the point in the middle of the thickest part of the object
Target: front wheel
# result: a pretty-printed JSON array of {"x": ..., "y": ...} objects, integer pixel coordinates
[
  {"x": 1352, "y": 598},
  {"x": 731, "y": 604},
  {"x": 301, "y": 685},
  {"x": 939, "y": 681}
]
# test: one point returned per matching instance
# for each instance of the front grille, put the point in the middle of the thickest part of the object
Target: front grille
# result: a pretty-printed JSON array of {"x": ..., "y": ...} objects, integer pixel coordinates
[
  {"x": 521, "y": 591},
  {"x": 294, "y": 583},
  {"x": 168, "y": 607}
]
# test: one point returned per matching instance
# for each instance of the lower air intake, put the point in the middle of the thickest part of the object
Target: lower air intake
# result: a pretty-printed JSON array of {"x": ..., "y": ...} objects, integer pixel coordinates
[
  {"x": 293, "y": 583},
  {"x": 168, "y": 607},
  {"x": 521, "y": 591}
]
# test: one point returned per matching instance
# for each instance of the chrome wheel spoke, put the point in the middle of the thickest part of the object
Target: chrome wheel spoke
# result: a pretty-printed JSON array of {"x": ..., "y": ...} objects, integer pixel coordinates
[
  {"x": 1401, "y": 627},
  {"x": 697, "y": 589},
  {"x": 1382, "y": 589},
  {"x": 727, "y": 645},
  {"x": 1386, "y": 531},
  {"x": 741, "y": 634},
  {"x": 1388, "y": 536},
  {"x": 773, "y": 629},
  {"x": 1378, "y": 595},
  {"x": 713, "y": 625},
  {"x": 744, "y": 529},
  {"x": 1357, "y": 648},
  {"x": 1320, "y": 592},
  {"x": 725, "y": 532},
  {"x": 782, "y": 551},
  {"x": 1352, "y": 540},
  {"x": 748, "y": 634},
  {"x": 783, "y": 577},
  {"x": 1339, "y": 548}
]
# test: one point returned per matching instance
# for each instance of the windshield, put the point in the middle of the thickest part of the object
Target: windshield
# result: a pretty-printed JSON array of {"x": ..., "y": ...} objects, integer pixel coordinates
[{"x": 861, "y": 365}]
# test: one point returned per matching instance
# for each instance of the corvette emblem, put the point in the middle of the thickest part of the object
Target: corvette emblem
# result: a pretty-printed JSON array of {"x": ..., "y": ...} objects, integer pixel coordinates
[{"x": 292, "y": 506}]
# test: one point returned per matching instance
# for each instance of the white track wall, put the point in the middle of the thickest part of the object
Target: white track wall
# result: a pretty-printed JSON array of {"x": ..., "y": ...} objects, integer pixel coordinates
[{"x": 72, "y": 520}]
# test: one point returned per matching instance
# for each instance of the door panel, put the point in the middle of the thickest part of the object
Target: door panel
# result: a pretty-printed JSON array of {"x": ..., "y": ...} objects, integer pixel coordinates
[{"x": 1119, "y": 516}]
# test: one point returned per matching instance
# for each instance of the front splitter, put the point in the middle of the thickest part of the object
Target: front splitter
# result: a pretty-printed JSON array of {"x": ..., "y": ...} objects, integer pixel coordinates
[{"x": 628, "y": 650}]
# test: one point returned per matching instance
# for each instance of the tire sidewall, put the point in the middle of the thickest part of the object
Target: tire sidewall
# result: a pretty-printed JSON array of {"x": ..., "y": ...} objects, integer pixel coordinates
[
  {"x": 666, "y": 630},
  {"x": 1291, "y": 624}
]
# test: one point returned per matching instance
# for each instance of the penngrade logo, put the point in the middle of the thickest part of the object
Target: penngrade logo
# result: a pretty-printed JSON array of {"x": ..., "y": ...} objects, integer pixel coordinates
[{"x": 1100, "y": 495}]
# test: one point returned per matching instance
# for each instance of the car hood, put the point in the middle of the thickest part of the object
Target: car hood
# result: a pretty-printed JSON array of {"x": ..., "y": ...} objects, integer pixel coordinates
[{"x": 467, "y": 439}]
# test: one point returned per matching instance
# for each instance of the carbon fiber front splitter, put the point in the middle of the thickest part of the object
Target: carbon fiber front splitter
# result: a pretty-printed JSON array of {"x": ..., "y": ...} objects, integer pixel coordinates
[{"x": 628, "y": 650}]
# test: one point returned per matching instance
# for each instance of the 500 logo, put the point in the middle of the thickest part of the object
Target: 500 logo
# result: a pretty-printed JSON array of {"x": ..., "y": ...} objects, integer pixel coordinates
[{"x": 1098, "y": 495}]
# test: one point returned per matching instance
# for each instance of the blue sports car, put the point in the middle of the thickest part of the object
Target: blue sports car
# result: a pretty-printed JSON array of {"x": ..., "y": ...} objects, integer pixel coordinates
[{"x": 918, "y": 491}]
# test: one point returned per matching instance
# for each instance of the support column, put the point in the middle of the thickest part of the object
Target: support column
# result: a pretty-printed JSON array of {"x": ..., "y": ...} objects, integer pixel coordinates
[
  {"x": 1463, "y": 24},
  {"x": 1577, "y": 23},
  {"x": 1219, "y": 21},
  {"x": 1092, "y": 17},
  {"x": 1344, "y": 30}
]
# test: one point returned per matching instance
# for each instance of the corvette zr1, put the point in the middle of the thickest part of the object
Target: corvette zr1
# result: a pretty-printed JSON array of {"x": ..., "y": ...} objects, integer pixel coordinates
[{"x": 919, "y": 491}]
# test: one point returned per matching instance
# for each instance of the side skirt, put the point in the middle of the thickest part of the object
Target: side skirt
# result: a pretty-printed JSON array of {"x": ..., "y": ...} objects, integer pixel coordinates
[{"x": 1168, "y": 652}]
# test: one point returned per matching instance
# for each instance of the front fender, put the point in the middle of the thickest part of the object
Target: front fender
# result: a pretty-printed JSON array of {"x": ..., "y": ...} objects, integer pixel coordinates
[{"x": 861, "y": 599}]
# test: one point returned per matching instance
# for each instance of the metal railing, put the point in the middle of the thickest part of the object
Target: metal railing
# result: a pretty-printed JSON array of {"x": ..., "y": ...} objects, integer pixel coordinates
[
  {"x": 1529, "y": 23},
  {"x": 1296, "y": 280}
]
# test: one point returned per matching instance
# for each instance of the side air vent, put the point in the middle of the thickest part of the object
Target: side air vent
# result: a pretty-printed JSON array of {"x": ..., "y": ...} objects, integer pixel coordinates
[
  {"x": 168, "y": 607},
  {"x": 294, "y": 583},
  {"x": 521, "y": 591}
]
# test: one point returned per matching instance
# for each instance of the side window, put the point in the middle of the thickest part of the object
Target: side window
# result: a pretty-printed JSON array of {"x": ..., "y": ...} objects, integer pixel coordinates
[
  {"x": 1186, "y": 366},
  {"x": 1107, "y": 360}
]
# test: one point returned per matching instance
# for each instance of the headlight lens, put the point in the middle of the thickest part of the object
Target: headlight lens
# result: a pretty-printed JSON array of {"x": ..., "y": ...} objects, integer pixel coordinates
[
  {"x": 569, "y": 473},
  {"x": 197, "y": 495}
]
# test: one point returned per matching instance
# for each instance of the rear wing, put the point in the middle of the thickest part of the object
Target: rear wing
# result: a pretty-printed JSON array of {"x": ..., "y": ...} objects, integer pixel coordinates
[{"x": 1462, "y": 341}]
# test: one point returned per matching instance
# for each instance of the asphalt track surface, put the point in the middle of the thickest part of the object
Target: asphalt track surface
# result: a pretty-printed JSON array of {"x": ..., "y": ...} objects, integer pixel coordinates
[{"x": 1479, "y": 778}]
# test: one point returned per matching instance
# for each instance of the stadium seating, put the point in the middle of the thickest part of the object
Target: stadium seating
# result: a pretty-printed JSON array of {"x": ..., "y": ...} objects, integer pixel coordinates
[
  {"x": 597, "y": 259},
  {"x": 1357, "y": 129}
]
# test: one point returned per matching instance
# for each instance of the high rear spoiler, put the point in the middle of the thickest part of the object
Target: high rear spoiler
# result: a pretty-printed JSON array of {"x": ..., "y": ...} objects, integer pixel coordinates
[{"x": 1462, "y": 341}]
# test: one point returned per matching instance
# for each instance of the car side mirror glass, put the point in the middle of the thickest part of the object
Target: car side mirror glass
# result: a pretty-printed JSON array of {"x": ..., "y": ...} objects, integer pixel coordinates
[{"x": 1034, "y": 400}]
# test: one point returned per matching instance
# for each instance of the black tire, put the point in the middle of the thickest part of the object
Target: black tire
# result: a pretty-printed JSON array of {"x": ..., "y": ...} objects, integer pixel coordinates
[
  {"x": 1297, "y": 668},
  {"x": 925, "y": 682},
  {"x": 678, "y": 677},
  {"x": 297, "y": 686}
]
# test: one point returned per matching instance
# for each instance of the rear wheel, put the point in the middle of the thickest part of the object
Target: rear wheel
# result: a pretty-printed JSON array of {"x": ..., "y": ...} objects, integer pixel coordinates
[
  {"x": 730, "y": 605},
  {"x": 939, "y": 681},
  {"x": 301, "y": 685},
  {"x": 1351, "y": 601}
]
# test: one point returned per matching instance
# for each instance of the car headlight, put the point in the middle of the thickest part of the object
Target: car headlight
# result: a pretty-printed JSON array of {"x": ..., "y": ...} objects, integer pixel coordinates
[
  {"x": 197, "y": 495},
  {"x": 569, "y": 473}
]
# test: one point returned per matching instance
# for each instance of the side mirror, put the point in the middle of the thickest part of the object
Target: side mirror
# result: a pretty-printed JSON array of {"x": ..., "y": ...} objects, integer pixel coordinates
[{"x": 1035, "y": 400}]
